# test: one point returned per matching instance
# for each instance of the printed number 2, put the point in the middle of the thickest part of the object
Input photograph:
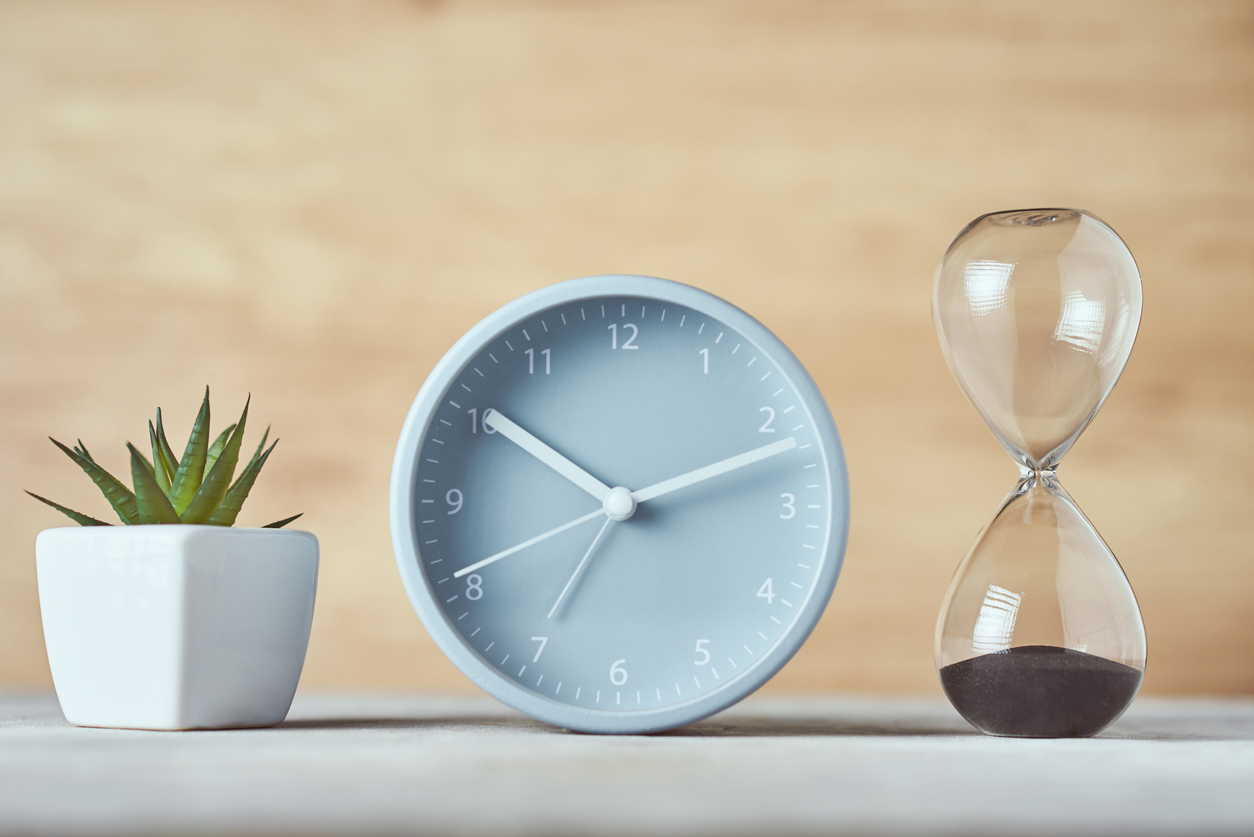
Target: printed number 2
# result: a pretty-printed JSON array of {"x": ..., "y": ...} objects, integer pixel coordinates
[{"x": 770, "y": 417}]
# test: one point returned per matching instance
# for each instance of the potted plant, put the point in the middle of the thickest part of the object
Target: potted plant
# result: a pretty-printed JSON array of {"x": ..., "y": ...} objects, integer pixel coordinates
[{"x": 175, "y": 620}]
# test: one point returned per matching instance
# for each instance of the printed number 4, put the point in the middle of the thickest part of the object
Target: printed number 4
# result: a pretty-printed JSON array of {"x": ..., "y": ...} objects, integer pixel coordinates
[{"x": 767, "y": 592}]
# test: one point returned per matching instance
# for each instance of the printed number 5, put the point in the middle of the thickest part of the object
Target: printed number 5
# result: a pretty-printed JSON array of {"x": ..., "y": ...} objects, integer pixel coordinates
[
  {"x": 705, "y": 655},
  {"x": 788, "y": 504}
]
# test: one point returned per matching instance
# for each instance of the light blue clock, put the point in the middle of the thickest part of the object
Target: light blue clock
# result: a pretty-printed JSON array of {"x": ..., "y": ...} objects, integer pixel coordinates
[{"x": 619, "y": 504}]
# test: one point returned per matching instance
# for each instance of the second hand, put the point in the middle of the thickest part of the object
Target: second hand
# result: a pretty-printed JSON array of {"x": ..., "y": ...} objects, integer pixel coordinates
[{"x": 579, "y": 568}]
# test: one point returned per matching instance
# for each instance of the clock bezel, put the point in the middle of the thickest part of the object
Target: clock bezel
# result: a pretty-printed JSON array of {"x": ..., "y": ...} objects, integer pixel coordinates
[{"x": 408, "y": 550}]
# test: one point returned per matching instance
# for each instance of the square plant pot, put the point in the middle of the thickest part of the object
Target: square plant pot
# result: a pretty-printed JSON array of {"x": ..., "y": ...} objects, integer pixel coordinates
[{"x": 173, "y": 626}]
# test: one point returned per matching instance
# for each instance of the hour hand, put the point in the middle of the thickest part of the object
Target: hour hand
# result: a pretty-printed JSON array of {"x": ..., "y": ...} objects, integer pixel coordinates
[{"x": 546, "y": 454}]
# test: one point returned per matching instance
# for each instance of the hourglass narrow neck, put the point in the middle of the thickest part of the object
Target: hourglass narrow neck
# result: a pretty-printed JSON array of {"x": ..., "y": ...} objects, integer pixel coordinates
[{"x": 1047, "y": 477}]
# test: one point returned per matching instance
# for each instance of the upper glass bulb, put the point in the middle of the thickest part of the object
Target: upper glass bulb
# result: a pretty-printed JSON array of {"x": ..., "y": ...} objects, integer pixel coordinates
[{"x": 1037, "y": 311}]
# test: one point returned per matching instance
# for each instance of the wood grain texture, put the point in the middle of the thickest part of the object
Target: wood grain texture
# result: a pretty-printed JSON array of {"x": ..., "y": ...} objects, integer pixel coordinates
[{"x": 311, "y": 201}]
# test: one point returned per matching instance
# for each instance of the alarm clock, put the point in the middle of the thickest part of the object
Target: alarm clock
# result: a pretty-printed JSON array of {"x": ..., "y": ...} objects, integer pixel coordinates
[{"x": 619, "y": 504}]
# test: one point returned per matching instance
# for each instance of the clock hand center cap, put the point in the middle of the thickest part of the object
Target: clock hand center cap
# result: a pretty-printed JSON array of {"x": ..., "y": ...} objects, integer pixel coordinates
[{"x": 618, "y": 504}]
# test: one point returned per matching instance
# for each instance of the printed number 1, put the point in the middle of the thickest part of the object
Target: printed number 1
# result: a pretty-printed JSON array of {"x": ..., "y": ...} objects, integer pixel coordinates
[{"x": 705, "y": 360}]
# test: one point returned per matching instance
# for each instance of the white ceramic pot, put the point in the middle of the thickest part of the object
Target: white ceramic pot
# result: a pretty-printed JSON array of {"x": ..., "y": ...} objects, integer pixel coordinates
[{"x": 176, "y": 627}]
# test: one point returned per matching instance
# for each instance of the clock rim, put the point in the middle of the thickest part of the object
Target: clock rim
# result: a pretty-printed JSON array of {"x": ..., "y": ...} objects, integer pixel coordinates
[{"x": 408, "y": 554}]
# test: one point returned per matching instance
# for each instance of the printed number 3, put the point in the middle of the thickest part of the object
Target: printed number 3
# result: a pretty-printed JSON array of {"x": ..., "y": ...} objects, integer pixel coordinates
[{"x": 788, "y": 504}]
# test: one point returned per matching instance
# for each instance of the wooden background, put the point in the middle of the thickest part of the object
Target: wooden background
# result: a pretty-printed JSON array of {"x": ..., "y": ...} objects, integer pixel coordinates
[{"x": 311, "y": 201}]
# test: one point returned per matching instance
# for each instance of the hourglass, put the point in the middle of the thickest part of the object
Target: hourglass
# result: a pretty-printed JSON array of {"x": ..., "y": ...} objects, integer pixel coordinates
[{"x": 1039, "y": 634}]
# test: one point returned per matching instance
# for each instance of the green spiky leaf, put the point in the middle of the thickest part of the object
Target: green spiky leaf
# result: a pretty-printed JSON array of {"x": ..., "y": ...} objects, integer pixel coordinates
[
  {"x": 148, "y": 464},
  {"x": 168, "y": 459},
  {"x": 118, "y": 495},
  {"x": 157, "y": 465},
  {"x": 83, "y": 450},
  {"x": 153, "y": 505},
  {"x": 279, "y": 524},
  {"x": 192, "y": 466},
  {"x": 257, "y": 453},
  {"x": 215, "y": 450},
  {"x": 218, "y": 480},
  {"x": 77, "y": 517},
  {"x": 228, "y": 510}
]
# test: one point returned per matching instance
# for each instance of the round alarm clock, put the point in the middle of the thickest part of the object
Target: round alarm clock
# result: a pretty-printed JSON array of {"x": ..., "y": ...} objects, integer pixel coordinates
[{"x": 619, "y": 504}]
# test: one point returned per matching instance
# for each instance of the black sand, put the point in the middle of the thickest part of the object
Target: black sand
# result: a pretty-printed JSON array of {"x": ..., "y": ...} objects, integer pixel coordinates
[{"x": 1040, "y": 691}]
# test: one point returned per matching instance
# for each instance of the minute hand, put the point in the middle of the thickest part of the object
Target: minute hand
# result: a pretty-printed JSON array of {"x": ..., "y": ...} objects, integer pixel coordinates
[{"x": 710, "y": 471}]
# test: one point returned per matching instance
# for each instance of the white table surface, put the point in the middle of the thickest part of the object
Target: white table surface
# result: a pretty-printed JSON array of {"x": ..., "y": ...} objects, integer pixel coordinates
[{"x": 841, "y": 764}]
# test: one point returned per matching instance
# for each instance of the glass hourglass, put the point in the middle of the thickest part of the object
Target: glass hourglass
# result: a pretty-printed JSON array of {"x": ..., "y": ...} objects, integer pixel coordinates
[{"x": 1039, "y": 634}]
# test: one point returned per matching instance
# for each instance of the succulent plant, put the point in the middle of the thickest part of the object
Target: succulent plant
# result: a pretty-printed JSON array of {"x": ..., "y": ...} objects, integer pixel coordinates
[{"x": 195, "y": 489}]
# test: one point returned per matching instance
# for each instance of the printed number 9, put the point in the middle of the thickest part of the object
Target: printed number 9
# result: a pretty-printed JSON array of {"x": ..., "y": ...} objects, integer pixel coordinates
[{"x": 454, "y": 499}]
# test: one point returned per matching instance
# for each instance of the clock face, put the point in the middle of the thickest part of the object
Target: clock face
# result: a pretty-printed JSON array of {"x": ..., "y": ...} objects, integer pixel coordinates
[{"x": 619, "y": 504}]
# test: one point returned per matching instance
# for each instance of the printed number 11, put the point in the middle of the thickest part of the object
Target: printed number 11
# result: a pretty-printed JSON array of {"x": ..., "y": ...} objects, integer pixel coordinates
[{"x": 531, "y": 361}]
